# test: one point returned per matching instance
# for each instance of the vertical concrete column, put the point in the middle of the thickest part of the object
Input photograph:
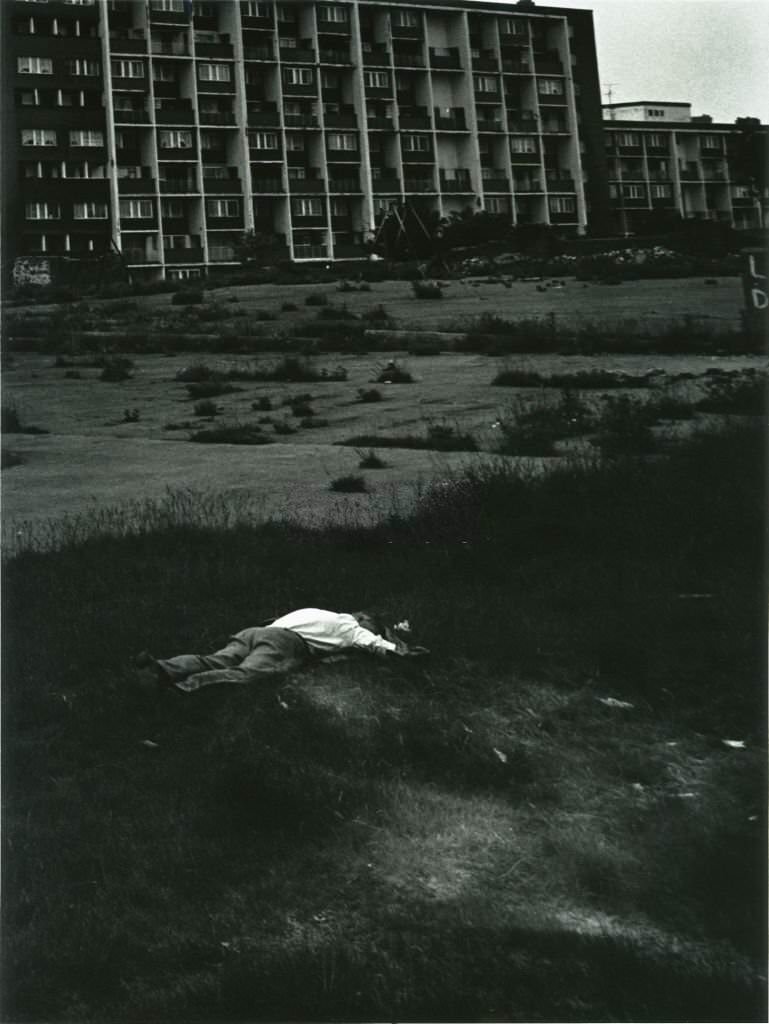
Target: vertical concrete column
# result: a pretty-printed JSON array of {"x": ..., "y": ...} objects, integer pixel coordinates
[
  {"x": 359, "y": 102},
  {"x": 109, "y": 108},
  {"x": 231, "y": 20},
  {"x": 575, "y": 152},
  {"x": 468, "y": 101}
]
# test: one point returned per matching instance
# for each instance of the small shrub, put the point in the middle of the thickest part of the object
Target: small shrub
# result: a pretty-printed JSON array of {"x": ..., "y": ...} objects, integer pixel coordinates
[
  {"x": 196, "y": 373},
  {"x": 289, "y": 307},
  {"x": 623, "y": 428},
  {"x": 283, "y": 427},
  {"x": 263, "y": 404},
  {"x": 184, "y": 425},
  {"x": 533, "y": 430},
  {"x": 263, "y": 315},
  {"x": 316, "y": 299},
  {"x": 301, "y": 409},
  {"x": 313, "y": 421},
  {"x": 187, "y": 297},
  {"x": 206, "y": 408},
  {"x": 349, "y": 484},
  {"x": 210, "y": 389},
  {"x": 427, "y": 290},
  {"x": 130, "y": 416},
  {"x": 369, "y": 395},
  {"x": 248, "y": 433},
  {"x": 211, "y": 312},
  {"x": 304, "y": 396},
  {"x": 10, "y": 422},
  {"x": 378, "y": 315},
  {"x": 116, "y": 370},
  {"x": 394, "y": 374},
  {"x": 335, "y": 313},
  {"x": 73, "y": 375},
  {"x": 744, "y": 395},
  {"x": 370, "y": 460}
]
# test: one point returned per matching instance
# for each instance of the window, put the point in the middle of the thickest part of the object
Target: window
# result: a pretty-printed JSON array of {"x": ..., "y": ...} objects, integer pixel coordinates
[
  {"x": 523, "y": 144},
  {"x": 29, "y": 99},
  {"x": 295, "y": 143},
  {"x": 307, "y": 207},
  {"x": 162, "y": 73},
  {"x": 405, "y": 19},
  {"x": 711, "y": 142},
  {"x": 38, "y": 137},
  {"x": 221, "y": 253},
  {"x": 347, "y": 141},
  {"x": 330, "y": 80},
  {"x": 655, "y": 139},
  {"x": 214, "y": 73},
  {"x": 262, "y": 140},
  {"x": 376, "y": 79},
  {"x": 497, "y": 204},
  {"x": 136, "y": 209},
  {"x": 203, "y": 10},
  {"x": 127, "y": 68},
  {"x": 550, "y": 87},
  {"x": 177, "y": 242},
  {"x": 297, "y": 76},
  {"x": 85, "y": 137},
  {"x": 42, "y": 211},
  {"x": 562, "y": 204},
  {"x": 340, "y": 208},
  {"x": 634, "y": 191},
  {"x": 170, "y": 6},
  {"x": 662, "y": 191},
  {"x": 252, "y": 9},
  {"x": 34, "y": 65},
  {"x": 628, "y": 139},
  {"x": 328, "y": 12},
  {"x": 486, "y": 83},
  {"x": 90, "y": 211},
  {"x": 86, "y": 68},
  {"x": 211, "y": 140},
  {"x": 175, "y": 139},
  {"x": 512, "y": 27},
  {"x": 222, "y": 208},
  {"x": 80, "y": 3},
  {"x": 288, "y": 42},
  {"x": 297, "y": 173},
  {"x": 127, "y": 171},
  {"x": 416, "y": 144},
  {"x": 220, "y": 171},
  {"x": 172, "y": 208}
]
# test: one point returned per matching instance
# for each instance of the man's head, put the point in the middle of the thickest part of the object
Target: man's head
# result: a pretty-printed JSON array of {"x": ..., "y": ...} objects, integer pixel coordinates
[{"x": 370, "y": 620}]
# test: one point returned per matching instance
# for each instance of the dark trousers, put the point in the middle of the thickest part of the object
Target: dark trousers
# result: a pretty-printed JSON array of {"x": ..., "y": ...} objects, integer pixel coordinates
[{"x": 250, "y": 655}]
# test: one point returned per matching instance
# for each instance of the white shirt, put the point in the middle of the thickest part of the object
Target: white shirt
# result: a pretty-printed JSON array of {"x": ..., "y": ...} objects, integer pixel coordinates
[{"x": 325, "y": 632}]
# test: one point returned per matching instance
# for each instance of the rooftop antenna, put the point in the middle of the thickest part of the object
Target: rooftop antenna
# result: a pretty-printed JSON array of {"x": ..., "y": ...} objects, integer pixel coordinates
[{"x": 609, "y": 90}]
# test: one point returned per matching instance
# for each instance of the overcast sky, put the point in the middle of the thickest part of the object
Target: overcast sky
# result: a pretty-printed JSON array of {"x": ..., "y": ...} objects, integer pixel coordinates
[{"x": 713, "y": 54}]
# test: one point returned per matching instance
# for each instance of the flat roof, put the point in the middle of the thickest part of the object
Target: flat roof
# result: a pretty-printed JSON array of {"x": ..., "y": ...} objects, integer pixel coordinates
[
  {"x": 487, "y": 7},
  {"x": 648, "y": 103},
  {"x": 655, "y": 126}
]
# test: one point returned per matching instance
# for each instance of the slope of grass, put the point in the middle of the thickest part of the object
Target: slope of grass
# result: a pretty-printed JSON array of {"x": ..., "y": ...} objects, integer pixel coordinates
[{"x": 541, "y": 822}]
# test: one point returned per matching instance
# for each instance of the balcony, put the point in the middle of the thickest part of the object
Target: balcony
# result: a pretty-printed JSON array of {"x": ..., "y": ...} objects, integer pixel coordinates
[
  {"x": 690, "y": 174},
  {"x": 377, "y": 58},
  {"x": 560, "y": 183},
  {"x": 169, "y": 48},
  {"x": 161, "y": 17},
  {"x": 348, "y": 251},
  {"x": 301, "y": 120},
  {"x": 486, "y": 62},
  {"x": 263, "y": 118},
  {"x": 140, "y": 258},
  {"x": 259, "y": 53},
  {"x": 445, "y": 59},
  {"x": 555, "y": 128},
  {"x": 300, "y": 88},
  {"x": 548, "y": 63},
  {"x": 485, "y": 125},
  {"x": 656, "y": 150},
  {"x": 342, "y": 156},
  {"x": 132, "y": 117},
  {"x": 408, "y": 60},
  {"x": 179, "y": 186},
  {"x": 297, "y": 55},
  {"x": 523, "y": 125},
  {"x": 524, "y": 158},
  {"x": 336, "y": 28},
  {"x": 463, "y": 185},
  {"x": 136, "y": 186},
  {"x": 486, "y": 95},
  {"x": 250, "y": 21},
  {"x": 174, "y": 115},
  {"x": 496, "y": 185},
  {"x": 516, "y": 67},
  {"x": 222, "y": 118},
  {"x": 527, "y": 185},
  {"x": 306, "y": 185},
  {"x": 551, "y": 99},
  {"x": 335, "y": 56},
  {"x": 308, "y": 221},
  {"x": 344, "y": 185},
  {"x": 342, "y": 120},
  {"x": 222, "y": 186},
  {"x": 307, "y": 251},
  {"x": 167, "y": 90},
  {"x": 455, "y": 123},
  {"x": 128, "y": 45},
  {"x": 385, "y": 185},
  {"x": 221, "y": 49},
  {"x": 380, "y": 123},
  {"x": 666, "y": 176},
  {"x": 413, "y": 121},
  {"x": 406, "y": 31},
  {"x": 419, "y": 185},
  {"x": 193, "y": 254},
  {"x": 266, "y": 186},
  {"x": 216, "y": 87}
]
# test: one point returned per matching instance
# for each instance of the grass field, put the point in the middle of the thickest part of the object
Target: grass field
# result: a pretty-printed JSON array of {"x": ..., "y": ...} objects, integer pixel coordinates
[{"x": 559, "y": 817}]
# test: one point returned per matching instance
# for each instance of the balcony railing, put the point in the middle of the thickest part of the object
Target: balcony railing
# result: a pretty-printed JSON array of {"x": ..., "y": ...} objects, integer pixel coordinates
[
  {"x": 263, "y": 118},
  {"x": 169, "y": 17},
  {"x": 136, "y": 186},
  {"x": 138, "y": 257},
  {"x": 340, "y": 121},
  {"x": 690, "y": 175},
  {"x": 387, "y": 185},
  {"x": 121, "y": 45},
  {"x": 348, "y": 250},
  {"x": 496, "y": 185},
  {"x": 490, "y": 126},
  {"x": 132, "y": 117},
  {"x": 306, "y": 185},
  {"x": 266, "y": 186},
  {"x": 528, "y": 185},
  {"x": 217, "y": 117},
  {"x": 344, "y": 185},
  {"x": 214, "y": 50},
  {"x": 310, "y": 252},
  {"x": 295, "y": 55},
  {"x": 408, "y": 60},
  {"x": 337, "y": 28},
  {"x": 301, "y": 120},
  {"x": 445, "y": 61},
  {"x": 419, "y": 185},
  {"x": 377, "y": 58},
  {"x": 259, "y": 53},
  {"x": 335, "y": 57},
  {"x": 385, "y": 123},
  {"x": 489, "y": 63},
  {"x": 451, "y": 124},
  {"x": 221, "y": 186},
  {"x": 161, "y": 48},
  {"x": 456, "y": 185},
  {"x": 516, "y": 67},
  {"x": 179, "y": 185},
  {"x": 194, "y": 254},
  {"x": 554, "y": 127},
  {"x": 406, "y": 31},
  {"x": 560, "y": 183},
  {"x": 171, "y": 115},
  {"x": 418, "y": 121}
]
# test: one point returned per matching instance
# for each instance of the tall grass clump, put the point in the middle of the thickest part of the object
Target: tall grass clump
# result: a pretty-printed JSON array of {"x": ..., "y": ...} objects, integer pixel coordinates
[{"x": 427, "y": 290}]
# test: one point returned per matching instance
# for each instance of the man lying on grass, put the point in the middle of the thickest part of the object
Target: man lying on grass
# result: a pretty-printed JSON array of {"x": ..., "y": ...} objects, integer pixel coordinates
[{"x": 286, "y": 644}]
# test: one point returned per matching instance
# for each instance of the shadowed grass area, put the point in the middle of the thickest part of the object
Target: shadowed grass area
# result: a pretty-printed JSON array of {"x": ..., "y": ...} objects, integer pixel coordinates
[{"x": 540, "y": 822}]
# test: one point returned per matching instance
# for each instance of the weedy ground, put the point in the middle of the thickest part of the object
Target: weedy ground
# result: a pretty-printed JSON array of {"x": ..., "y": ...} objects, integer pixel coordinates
[{"x": 541, "y": 822}]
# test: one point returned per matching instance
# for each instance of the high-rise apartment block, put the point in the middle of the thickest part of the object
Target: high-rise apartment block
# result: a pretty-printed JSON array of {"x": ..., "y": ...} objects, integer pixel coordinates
[
  {"x": 660, "y": 158},
  {"x": 168, "y": 128},
  {"x": 165, "y": 129}
]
